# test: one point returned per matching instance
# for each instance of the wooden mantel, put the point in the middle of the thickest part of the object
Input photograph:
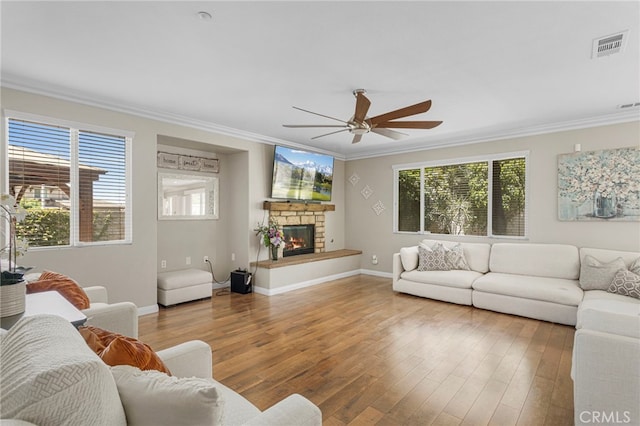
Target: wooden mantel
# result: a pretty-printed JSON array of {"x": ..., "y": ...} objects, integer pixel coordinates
[{"x": 298, "y": 207}]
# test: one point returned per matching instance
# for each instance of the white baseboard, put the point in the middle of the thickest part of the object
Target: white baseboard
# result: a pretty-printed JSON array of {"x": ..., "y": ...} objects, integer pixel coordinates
[
  {"x": 146, "y": 310},
  {"x": 304, "y": 284},
  {"x": 376, "y": 273}
]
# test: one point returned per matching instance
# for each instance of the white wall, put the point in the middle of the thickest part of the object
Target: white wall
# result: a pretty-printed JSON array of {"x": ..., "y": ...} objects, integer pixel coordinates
[
  {"x": 373, "y": 234},
  {"x": 130, "y": 271}
]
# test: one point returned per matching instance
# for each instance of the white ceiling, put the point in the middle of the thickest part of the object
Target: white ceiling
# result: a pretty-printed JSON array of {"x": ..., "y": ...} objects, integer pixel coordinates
[{"x": 492, "y": 69}]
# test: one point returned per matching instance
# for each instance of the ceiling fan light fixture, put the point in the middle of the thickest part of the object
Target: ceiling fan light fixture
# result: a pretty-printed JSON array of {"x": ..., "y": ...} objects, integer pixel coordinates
[{"x": 359, "y": 131}]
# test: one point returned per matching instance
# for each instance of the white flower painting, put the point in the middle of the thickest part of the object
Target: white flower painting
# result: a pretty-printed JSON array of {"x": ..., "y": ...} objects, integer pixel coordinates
[{"x": 599, "y": 185}]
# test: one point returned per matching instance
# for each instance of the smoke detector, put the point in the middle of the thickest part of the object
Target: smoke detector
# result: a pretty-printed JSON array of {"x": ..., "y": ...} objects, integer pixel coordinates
[{"x": 609, "y": 45}]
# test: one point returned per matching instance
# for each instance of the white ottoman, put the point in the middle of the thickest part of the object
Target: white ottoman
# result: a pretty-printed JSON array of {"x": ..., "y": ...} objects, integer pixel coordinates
[{"x": 183, "y": 286}]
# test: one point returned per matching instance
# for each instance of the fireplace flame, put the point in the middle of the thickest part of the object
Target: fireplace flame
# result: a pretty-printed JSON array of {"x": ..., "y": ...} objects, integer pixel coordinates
[{"x": 295, "y": 243}]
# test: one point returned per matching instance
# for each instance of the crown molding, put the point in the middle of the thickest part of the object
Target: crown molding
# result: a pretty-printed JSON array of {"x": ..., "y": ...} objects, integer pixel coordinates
[
  {"x": 112, "y": 105},
  {"x": 603, "y": 120},
  {"x": 180, "y": 120}
]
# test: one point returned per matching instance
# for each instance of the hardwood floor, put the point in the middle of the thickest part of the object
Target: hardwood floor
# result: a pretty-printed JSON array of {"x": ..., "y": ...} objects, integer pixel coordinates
[{"x": 367, "y": 355}]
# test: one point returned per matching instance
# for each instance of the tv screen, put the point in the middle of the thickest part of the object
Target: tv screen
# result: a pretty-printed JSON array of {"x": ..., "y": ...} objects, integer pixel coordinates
[{"x": 301, "y": 175}]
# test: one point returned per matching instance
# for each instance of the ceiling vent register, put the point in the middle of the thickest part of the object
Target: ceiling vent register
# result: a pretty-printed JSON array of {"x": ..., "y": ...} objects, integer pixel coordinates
[{"x": 609, "y": 45}]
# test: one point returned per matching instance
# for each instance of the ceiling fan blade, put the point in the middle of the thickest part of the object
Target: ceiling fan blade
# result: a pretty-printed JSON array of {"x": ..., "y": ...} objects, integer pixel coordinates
[
  {"x": 356, "y": 138},
  {"x": 362, "y": 107},
  {"x": 327, "y": 134},
  {"x": 389, "y": 133},
  {"x": 312, "y": 125},
  {"x": 402, "y": 112},
  {"x": 321, "y": 115},
  {"x": 408, "y": 124}
]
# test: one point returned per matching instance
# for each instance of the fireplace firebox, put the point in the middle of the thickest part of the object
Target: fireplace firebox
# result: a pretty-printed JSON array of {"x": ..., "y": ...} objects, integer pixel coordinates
[{"x": 298, "y": 239}]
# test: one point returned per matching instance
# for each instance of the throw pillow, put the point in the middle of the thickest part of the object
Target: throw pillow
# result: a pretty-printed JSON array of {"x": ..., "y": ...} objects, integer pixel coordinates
[
  {"x": 153, "y": 398},
  {"x": 635, "y": 266},
  {"x": 67, "y": 287},
  {"x": 625, "y": 283},
  {"x": 116, "y": 349},
  {"x": 455, "y": 258},
  {"x": 409, "y": 258},
  {"x": 595, "y": 275},
  {"x": 432, "y": 260}
]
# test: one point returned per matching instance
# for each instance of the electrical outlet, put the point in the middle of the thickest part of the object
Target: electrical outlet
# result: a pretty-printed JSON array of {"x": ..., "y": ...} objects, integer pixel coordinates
[
  {"x": 188, "y": 260},
  {"x": 163, "y": 264},
  {"x": 233, "y": 257},
  {"x": 206, "y": 259},
  {"x": 374, "y": 259}
]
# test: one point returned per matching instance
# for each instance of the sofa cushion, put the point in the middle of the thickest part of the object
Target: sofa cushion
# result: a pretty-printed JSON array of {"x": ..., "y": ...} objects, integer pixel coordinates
[
  {"x": 67, "y": 287},
  {"x": 597, "y": 275},
  {"x": 625, "y": 283},
  {"x": 116, "y": 349},
  {"x": 182, "y": 278},
  {"x": 609, "y": 313},
  {"x": 50, "y": 376},
  {"x": 409, "y": 258},
  {"x": 453, "y": 278},
  {"x": 153, "y": 398},
  {"x": 476, "y": 254},
  {"x": 555, "y": 290},
  {"x": 538, "y": 260}
]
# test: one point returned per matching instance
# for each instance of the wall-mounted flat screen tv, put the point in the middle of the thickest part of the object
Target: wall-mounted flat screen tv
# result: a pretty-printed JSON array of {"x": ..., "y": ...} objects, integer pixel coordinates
[{"x": 301, "y": 175}]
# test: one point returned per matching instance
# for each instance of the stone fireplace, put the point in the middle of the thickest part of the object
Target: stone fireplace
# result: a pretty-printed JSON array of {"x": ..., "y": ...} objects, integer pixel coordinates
[
  {"x": 298, "y": 239},
  {"x": 300, "y": 215}
]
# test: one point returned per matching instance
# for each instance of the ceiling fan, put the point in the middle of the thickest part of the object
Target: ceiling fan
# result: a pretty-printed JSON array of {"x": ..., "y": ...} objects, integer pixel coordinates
[{"x": 382, "y": 124}]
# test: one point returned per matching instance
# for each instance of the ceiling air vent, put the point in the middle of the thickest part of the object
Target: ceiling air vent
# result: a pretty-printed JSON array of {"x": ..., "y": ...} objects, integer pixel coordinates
[
  {"x": 631, "y": 105},
  {"x": 609, "y": 45}
]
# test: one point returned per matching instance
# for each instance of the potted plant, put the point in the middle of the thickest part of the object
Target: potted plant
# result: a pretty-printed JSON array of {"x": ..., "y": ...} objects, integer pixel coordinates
[
  {"x": 12, "y": 284},
  {"x": 272, "y": 237}
]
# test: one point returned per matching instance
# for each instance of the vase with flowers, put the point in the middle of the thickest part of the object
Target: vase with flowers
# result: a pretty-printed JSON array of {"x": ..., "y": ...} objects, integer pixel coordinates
[
  {"x": 272, "y": 237},
  {"x": 12, "y": 284}
]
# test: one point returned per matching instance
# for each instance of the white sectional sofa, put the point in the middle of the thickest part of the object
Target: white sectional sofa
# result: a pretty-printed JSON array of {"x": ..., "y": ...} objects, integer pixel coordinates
[
  {"x": 451, "y": 286},
  {"x": 548, "y": 282},
  {"x": 533, "y": 280}
]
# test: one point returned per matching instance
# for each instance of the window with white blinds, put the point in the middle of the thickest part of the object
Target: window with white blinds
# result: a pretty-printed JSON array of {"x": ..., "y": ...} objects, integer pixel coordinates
[
  {"x": 483, "y": 196},
  {"x": 73, "y": 181}
]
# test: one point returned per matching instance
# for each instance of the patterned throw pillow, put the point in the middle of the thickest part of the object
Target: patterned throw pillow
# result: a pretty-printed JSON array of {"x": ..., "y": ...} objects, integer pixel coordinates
[
  {"x": 625, "y": 283},
  {"x": 635, "y": 266},
  {"x": 596, "y": 275},
  {"x": 455, "y": 258},
  {"x": 432, "y": 260}
]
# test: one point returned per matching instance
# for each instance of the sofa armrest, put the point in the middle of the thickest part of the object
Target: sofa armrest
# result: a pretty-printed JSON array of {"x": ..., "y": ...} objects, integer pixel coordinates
[
  {"x": 397, "y": 267},
  {"x": 189, "y": 359},
  {"x": 96, "y": 294},
  {"x": 606, "y": 376},
  {"x": 121, "y": 317},
  {"x": 293, "y": 410}
]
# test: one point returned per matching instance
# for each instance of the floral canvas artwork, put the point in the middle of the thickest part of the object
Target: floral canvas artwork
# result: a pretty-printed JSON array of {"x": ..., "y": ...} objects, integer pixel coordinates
[{"x": 599, "y": 185}]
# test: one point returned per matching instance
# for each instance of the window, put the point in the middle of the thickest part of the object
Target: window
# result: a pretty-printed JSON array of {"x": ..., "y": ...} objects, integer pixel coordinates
[
  {"x": 479, "y": 196},
  {"x": 72, "y": 179}
]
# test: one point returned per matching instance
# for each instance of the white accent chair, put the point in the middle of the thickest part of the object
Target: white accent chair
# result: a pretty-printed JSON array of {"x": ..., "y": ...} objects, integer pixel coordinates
[
  {"x": 51, "y": 376},
  {"x": 119, "y": 317}
]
